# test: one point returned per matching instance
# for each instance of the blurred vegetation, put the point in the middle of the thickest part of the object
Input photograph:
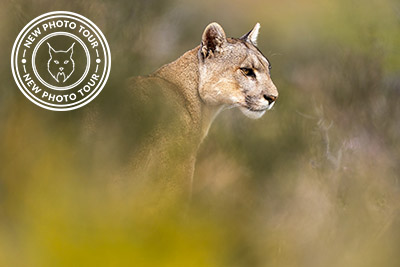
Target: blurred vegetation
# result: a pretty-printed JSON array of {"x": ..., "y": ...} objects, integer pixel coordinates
[{"x": 315, "y": 182}]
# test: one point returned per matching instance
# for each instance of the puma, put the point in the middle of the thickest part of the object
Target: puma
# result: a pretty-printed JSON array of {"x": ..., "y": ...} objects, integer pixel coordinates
[{"x": 218, "y": 74}]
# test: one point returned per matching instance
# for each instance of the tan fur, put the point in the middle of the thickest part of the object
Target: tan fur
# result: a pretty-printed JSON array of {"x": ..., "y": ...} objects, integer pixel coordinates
[{"x": 196, "y": 87}]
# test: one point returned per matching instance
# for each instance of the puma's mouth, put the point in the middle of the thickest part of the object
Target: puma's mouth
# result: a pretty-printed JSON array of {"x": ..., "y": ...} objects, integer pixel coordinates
[
  {"x": 269, "y": 107},
  {"x": 262, "y": 108},
  {"x": 252, "y": 113},
  {"x": 255, "y": 112}
]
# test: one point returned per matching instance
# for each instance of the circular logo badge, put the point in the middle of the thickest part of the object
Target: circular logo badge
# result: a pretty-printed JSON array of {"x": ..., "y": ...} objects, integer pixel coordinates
[{"x": 61, "y": 61}]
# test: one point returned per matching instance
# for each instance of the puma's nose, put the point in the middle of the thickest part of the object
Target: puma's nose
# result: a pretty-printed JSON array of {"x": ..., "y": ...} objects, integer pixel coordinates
[
  {"x": 61, "y": 68},
  {"x": 270, "y": 98}
]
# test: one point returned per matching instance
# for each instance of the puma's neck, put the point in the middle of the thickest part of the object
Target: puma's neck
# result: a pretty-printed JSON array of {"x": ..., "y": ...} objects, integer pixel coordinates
[{"x": 184, "y": 74}]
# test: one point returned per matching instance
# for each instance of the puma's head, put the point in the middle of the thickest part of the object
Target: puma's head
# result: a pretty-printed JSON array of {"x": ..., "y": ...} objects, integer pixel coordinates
[{"x": 234, "y": 73}]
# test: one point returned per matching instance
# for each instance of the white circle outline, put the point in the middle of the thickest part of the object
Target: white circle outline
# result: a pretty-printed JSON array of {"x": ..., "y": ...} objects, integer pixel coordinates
[
  {"x": 61, "y": 88},
  {"x": 84, "y": 99},
  {"x": 91, "y": 93},
  {"x": 106, "y": 51}
]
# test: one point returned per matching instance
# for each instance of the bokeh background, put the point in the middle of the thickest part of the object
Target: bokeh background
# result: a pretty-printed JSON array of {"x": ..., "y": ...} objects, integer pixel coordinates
[{"x": 315, "y": 182}]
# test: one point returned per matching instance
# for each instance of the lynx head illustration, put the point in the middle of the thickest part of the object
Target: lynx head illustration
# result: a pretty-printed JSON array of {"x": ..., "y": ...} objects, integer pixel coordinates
[{"x": 61, "y": 65}]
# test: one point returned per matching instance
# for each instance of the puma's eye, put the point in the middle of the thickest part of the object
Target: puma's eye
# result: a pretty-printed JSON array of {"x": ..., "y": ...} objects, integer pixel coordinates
[
  {"x": 248, "y": 72},
  {"x": 56, "y": 61},
  {"x": 66, "y": 61}
]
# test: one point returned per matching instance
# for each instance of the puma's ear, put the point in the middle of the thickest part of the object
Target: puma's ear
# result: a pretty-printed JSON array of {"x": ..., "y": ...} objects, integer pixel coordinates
[
  {"x": 252, "y": 35},
  {"x": 212, "y": 40},
  {"x": 51, "y": 50},
  {"x": 71, "y": 50}
]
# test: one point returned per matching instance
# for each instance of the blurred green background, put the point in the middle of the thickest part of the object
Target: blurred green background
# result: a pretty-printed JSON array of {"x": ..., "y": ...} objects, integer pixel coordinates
[{"x": 315, "y": 182}]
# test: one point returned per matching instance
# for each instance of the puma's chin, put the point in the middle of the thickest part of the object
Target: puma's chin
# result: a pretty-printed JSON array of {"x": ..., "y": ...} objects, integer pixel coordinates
[
  {"x": 252, "y": 114},
  {"x": 256, "y": 112}
]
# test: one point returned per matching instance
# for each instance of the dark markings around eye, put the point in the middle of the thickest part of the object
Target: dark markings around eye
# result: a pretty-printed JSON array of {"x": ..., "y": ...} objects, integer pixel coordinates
[
  {"x": 252, "y": 47},
  {"x": 248, "y": 72}
]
